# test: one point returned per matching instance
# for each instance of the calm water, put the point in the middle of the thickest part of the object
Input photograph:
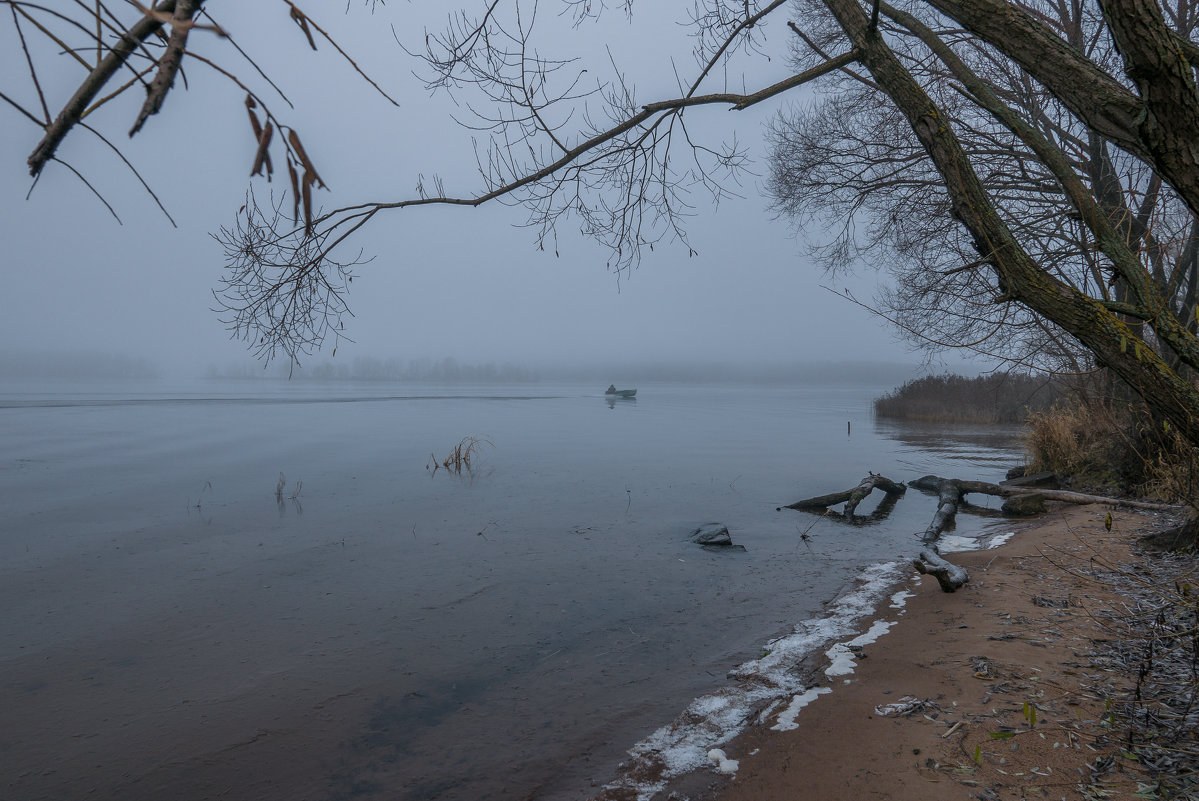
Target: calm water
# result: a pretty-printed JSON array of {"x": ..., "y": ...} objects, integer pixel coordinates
[{"x": 171, "y": 628}]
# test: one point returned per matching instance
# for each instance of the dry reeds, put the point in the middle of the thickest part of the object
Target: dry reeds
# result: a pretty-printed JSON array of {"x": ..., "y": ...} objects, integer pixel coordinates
[
  {"x": 995, "y": 398},
  {"x": 460, "y": 457},
  {"x": 1067, "y": 439},
  {"x": 1125, "y": 447}
]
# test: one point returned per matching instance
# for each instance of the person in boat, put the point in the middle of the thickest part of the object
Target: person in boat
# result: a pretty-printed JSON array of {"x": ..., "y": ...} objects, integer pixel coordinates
[{"x": 611, "y": 390}]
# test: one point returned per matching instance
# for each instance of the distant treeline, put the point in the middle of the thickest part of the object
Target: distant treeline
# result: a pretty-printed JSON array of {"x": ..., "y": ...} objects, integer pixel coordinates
[
  {"x": 74, "y": 365},
  {"x": 371, "y": 369},
  {"x": 997, "y": 398},
  {"x": 630, "y": 373}
]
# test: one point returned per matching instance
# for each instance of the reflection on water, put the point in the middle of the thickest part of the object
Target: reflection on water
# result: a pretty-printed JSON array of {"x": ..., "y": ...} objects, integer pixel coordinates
[
  {"x": 975, "y": 446},
  {"x": 176, "y": 626}
]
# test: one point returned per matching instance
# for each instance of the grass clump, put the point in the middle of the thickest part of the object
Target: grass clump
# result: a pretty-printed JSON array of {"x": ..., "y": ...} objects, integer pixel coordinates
[
  {"x": 460, "y": 457},
  {"x": 994, "y": 398}
]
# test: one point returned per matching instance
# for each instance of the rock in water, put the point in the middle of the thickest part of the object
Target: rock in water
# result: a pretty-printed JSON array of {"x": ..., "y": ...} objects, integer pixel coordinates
[
  {"x": 712, "y": 534},
  {"x": 1024, "y": 505}
]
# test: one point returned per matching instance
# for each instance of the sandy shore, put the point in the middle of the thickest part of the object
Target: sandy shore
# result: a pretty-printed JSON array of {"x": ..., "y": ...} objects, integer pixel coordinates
[{"x": 1009, "y": 702}]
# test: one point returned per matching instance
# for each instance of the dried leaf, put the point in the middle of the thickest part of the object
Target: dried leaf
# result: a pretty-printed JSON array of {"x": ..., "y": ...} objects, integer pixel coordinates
[
  {"x": 294, "y": 139},
  {"x": 262, "y": 156},
  {"x": 302, "y": 21},
  {"x": 295, "y": 191},
  {"x": 309, "y": 178},
  {"x": 254, "y": 123}
]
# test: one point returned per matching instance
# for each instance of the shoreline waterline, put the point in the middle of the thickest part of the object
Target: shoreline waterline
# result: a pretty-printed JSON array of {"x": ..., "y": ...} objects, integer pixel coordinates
[
  {"x": 1015, "y": 684},
  {"x": 782, "y": 682}
]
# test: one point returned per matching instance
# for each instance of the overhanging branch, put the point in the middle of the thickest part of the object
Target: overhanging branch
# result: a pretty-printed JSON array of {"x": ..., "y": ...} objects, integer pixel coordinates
[{"x": 72, "y": 112}]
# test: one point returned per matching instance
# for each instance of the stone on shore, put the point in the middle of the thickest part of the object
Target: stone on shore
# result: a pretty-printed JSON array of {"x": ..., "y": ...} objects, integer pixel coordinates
[
  {"x": 1024, "y": 505},
  {"x": 713, "y": 534}
]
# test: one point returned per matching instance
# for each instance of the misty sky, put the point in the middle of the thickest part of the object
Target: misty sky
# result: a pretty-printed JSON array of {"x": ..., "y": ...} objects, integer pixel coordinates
[{"x": 456, "y": 282}]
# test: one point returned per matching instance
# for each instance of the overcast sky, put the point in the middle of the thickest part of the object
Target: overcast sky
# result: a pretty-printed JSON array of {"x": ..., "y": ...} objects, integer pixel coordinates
[{"x": 457, "y": 282}]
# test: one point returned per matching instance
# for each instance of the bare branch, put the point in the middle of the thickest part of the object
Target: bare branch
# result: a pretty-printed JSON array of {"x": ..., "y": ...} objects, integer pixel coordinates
[
  {"x": 168, "y": 63},
  {"x": 95, "y": 191},
  {"x": 89, "y": 88}
]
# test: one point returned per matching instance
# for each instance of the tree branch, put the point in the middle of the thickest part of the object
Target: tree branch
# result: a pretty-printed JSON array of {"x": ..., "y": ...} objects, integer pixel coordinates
[
  {"x": 168, "y": 63},
  {"x": 71, "y": 113}
]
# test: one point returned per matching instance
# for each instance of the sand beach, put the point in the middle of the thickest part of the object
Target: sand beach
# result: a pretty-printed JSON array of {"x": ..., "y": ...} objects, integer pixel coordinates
[{"x": 998, "y": 691}]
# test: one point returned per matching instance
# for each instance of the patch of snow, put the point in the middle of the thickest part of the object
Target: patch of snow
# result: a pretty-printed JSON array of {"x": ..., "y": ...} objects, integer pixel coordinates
[
  {"x": 999, "y": 539},
  {"x": 899, "y": 599},
  {"x": 786, "y": 720},
  {"x": 722, "y": 762},
  {"x": 950, "y": 543},
  {"x": 811, "y": 635},
  {"x": 713, "y": 720},
  {"x": 841, "y": 655}
]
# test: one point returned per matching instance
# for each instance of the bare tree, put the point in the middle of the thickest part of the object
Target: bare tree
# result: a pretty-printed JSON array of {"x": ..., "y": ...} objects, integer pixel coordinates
[
  {"x": 1028, "y": 186},
  {"x": 841, "y": 162}
]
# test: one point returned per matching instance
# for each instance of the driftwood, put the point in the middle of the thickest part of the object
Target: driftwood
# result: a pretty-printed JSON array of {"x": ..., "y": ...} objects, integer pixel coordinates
[
  {"x": 1022, "y": 497},
  {"x": 933, "y": 484},
  {"x": 947, "y": 574},
  {"x": 854, "y": 496},
  {"x": 949, "y": 498}
]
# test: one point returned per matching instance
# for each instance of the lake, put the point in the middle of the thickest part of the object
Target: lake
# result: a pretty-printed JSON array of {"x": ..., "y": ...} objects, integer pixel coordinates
[{"x": 174, "y": 627}]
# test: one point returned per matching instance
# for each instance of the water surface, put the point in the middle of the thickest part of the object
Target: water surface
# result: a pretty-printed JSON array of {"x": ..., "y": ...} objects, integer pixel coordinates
[{"x": 173, "y": 628}]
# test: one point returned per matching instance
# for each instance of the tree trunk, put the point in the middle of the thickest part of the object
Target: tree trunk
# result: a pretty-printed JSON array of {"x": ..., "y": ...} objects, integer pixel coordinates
[
  {"x": 1019, "y": 277},
  {"x": 1158, "y": 126}
]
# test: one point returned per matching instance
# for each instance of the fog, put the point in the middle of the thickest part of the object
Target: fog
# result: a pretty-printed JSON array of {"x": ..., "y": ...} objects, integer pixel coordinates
[{"x": 445, "y": 283}]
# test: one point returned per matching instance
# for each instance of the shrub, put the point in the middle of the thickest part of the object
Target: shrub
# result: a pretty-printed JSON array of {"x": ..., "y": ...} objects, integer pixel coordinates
[{"x": 1117, "y": 446}]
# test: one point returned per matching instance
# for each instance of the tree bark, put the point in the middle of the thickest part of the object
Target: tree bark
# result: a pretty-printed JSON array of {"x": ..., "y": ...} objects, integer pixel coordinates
[{"x": 1156, "y": 63}]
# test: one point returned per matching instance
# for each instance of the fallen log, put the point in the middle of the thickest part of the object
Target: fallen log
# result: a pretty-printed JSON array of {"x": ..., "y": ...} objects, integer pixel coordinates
[
  {"x": 933, "y": 484},
  {"x": 947, "y": 574},
  {"x": 1024, "y": 505},
  {"x": 930, "y": 561},
  {"x": 855, "y": 495},
  {"x": 949, "y": 497}
]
